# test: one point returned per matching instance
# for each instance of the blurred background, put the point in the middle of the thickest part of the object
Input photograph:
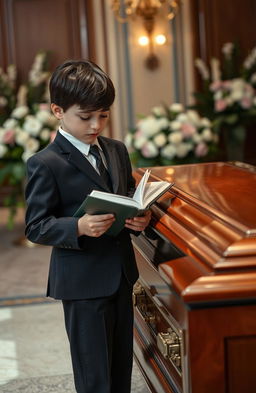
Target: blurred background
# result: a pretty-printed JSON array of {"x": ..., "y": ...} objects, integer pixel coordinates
[{"x": 185, "y": 78}]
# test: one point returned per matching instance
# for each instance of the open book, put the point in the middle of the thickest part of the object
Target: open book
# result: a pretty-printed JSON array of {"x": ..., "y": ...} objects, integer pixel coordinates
[{"x": 123, "y": 207}]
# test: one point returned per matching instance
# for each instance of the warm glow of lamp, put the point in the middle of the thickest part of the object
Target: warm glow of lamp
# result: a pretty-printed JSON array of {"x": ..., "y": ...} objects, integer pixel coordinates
[
  {"x": 148, "y": 10},
  {"x": 143, "y": 40},
  {"x": 160, "y": 39}
]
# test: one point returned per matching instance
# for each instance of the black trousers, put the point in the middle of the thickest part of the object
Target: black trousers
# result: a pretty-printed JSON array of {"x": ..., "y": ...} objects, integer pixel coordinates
[{"x": 100, "y": 333}]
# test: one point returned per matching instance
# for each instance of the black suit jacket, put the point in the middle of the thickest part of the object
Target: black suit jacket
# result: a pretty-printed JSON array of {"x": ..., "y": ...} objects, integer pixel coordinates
[{"x": 59, "y": 178}]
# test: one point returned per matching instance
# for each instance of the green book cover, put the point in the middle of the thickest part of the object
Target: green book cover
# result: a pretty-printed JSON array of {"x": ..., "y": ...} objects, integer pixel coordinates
[{"x": 92, "y": 205}]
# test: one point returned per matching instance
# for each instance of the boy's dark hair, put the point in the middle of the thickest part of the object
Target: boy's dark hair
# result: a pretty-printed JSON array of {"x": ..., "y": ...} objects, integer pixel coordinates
[{"x": 82, "y": 83}]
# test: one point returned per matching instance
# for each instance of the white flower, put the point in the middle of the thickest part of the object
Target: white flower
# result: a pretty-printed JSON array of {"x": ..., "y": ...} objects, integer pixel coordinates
[
  {"x": 26, "y": 155},
  {"x": 10, "y": 123},
  {"x": 168, "y": 151},
  {"x": 207, "y": 135},
  {"x": 3, "y": 101},
  {"x": 227, "y": 49},
  {"x": 205, "y": 122},
  {"x": 253, "y": 78},
  {"x": 45, "y": 134},
  {"x": 196, "y": 138},
  {"x": 176, "y": 107},
  {"x": 22, "y": 96},
  {"x": 158, "y": 111},
  {"x": 200, "y": 64},
  {"x": 128, "y": 140},
  {"x": 215, "y": 68},
  {"x": 21, "y": 137},
  {"x": 183, "y": 149},
  {"x": 175, "y": 137},
  {"x": 32, "y": 145},
  {"x": 160, "y": 139},
  {"x": 182, "y": 118},
  {"x": 32, "y": 125},
  {"x": 3, "y": 150},
  {"x": 139, "y": 141},
  {"x": 44, "y": 116},
  {"x": 149, "y": 150},
  {"x": 20, "y": 112},
  {"x": 149, "y": 126},
  {"x": 193, "y": 117},
  {"x": 175, "y": 125}
]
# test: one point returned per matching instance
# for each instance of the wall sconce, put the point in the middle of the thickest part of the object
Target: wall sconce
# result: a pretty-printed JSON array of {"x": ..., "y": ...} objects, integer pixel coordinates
[{"x": 148, "y": 10}]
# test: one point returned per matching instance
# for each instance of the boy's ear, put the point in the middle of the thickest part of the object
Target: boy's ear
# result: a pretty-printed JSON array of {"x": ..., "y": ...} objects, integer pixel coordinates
[{"x": 57, "y": 111}]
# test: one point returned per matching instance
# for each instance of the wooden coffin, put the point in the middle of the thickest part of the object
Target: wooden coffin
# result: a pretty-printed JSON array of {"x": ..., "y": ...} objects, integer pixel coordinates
[{"x": 195, "y": 300}]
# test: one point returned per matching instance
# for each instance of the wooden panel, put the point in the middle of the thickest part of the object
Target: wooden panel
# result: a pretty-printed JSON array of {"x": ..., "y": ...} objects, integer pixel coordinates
[
  {"x": 30, "y": 25},
  {"x": 240, "y": 355}
]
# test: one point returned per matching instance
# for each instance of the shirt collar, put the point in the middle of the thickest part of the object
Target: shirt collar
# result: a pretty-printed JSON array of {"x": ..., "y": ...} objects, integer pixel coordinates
[{"x": 81, "y": 146}]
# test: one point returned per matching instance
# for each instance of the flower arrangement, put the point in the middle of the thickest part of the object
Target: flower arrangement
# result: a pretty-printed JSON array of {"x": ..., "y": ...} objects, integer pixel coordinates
[
  {"x": 26, "y": 126},
  {"x": 171, "y": 135},
  {"x": 228, "y": 95}
]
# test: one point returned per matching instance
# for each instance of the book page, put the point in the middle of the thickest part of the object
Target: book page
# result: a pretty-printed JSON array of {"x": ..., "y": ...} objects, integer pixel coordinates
[
  {"x": 140, "y": 190},
  {"x": 154, "y": 190},
  {"x": 120, "y": 199}
]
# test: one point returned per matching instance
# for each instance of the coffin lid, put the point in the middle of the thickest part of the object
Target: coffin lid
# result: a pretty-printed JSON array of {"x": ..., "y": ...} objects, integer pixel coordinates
[{"x": 216, "y": 204}]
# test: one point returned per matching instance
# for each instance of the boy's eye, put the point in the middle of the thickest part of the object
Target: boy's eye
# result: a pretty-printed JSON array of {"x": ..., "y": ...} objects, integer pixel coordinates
[{"x": 84, "y": 118}]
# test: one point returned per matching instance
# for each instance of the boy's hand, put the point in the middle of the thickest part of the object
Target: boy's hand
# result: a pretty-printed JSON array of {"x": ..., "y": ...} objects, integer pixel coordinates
[
  {"x": 139, "y": 223},
  {"x": 94, "y": 225}
]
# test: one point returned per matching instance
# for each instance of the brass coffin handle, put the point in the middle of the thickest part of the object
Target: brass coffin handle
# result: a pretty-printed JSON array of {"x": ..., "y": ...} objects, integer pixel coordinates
[{"x": 169, "y": 345}]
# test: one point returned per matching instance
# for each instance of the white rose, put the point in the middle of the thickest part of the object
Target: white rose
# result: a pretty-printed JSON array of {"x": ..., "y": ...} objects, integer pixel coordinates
[
  {"x": 176, "y": 107},
  {"x": 196, "y": 138},
  {"x": 160, "y": 140},
  {"x": 3, "y": 150},
  {"x": 149, "y": 126},
  {"x": 32, "y": 125},
  {"x": 158, "y": 111},
  {"x": 26, "y": 155},
  {"x": 207, "y": 135},
  {"x": 45, "y": 134},
  {"x": 193, "y": 117},
  {"x": 175, "y": 137},
  {"x": 32, "y": 145},
  {"x": 182, "y": 149},
  {"x": 175, "y": 125},
  {"x": 10, "y": 124},
  {"x": 20, "y": 112},
  {"x": 128, "y": 140},
  {"x": 44, "y": 116},
  {"x": 182, "y": 117},
  {"x": 139, "y": 141},
  {"x": 168, "y": 151},
  {"x": 21, "y": 137},
  {"x": 205, "y": 122},
  {"x": 149, "y": 150}
]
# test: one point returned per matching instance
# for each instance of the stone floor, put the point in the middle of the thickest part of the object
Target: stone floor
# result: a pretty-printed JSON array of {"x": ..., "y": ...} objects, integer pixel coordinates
[{"x": 34, "y": 353}]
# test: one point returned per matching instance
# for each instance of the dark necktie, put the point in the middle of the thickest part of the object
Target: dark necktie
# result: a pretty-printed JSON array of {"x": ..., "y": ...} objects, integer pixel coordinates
[{"x": 94, "y": 150}]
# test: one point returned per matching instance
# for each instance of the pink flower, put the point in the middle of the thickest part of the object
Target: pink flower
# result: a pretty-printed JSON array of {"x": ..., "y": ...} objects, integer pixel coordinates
[
  {"x": 9, "y": 137},
  {"x": 246, "y": 102},
  {"x": 216, "y": 85},
  {"x": 220, "y": 105},
  {"x": 201, "y": 149},
  {"x": 188, "y": 130}
]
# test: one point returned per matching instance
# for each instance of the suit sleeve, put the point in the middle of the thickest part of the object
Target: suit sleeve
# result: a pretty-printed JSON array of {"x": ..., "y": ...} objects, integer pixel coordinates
[{"x": 43, "y": 225}]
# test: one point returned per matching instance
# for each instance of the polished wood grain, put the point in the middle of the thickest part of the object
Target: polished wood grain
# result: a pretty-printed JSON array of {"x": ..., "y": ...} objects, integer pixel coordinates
[{"x": 206, "y": 289}]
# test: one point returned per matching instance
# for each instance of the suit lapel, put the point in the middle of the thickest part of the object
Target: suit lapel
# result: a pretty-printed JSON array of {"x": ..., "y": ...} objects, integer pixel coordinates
[
  {"x": 112, "y": 162},
  {"x": 76, "y": 158}
]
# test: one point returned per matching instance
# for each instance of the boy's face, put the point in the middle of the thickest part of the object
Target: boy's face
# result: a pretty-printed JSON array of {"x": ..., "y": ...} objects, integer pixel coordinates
[{"x": 83, "y": 125}]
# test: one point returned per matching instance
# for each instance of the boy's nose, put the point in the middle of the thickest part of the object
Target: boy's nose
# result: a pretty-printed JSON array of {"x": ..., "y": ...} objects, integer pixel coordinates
[{"x": 95, "y": 124}]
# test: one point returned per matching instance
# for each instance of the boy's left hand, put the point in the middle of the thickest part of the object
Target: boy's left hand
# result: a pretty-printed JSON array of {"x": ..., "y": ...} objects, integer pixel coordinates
[{"x": 138, "y": 223}]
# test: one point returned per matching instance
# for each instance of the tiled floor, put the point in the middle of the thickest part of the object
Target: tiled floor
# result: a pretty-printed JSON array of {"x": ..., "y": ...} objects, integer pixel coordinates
[{"x": 34, "y": 353}]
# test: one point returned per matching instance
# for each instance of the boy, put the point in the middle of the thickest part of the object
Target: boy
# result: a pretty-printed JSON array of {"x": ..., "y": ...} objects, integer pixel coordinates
[{"x": 91, "y": 272}]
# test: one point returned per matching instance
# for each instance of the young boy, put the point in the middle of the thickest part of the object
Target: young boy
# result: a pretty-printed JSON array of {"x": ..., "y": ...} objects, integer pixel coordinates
[{"x": 91, "y": 272}]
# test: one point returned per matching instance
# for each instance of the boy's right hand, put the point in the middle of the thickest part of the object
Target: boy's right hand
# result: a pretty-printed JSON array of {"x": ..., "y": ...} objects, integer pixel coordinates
[{"x": 94, "y": 225}]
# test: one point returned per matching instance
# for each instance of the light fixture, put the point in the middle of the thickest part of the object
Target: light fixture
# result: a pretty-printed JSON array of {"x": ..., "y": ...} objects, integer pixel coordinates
[{"x": 148, "y": 10}]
